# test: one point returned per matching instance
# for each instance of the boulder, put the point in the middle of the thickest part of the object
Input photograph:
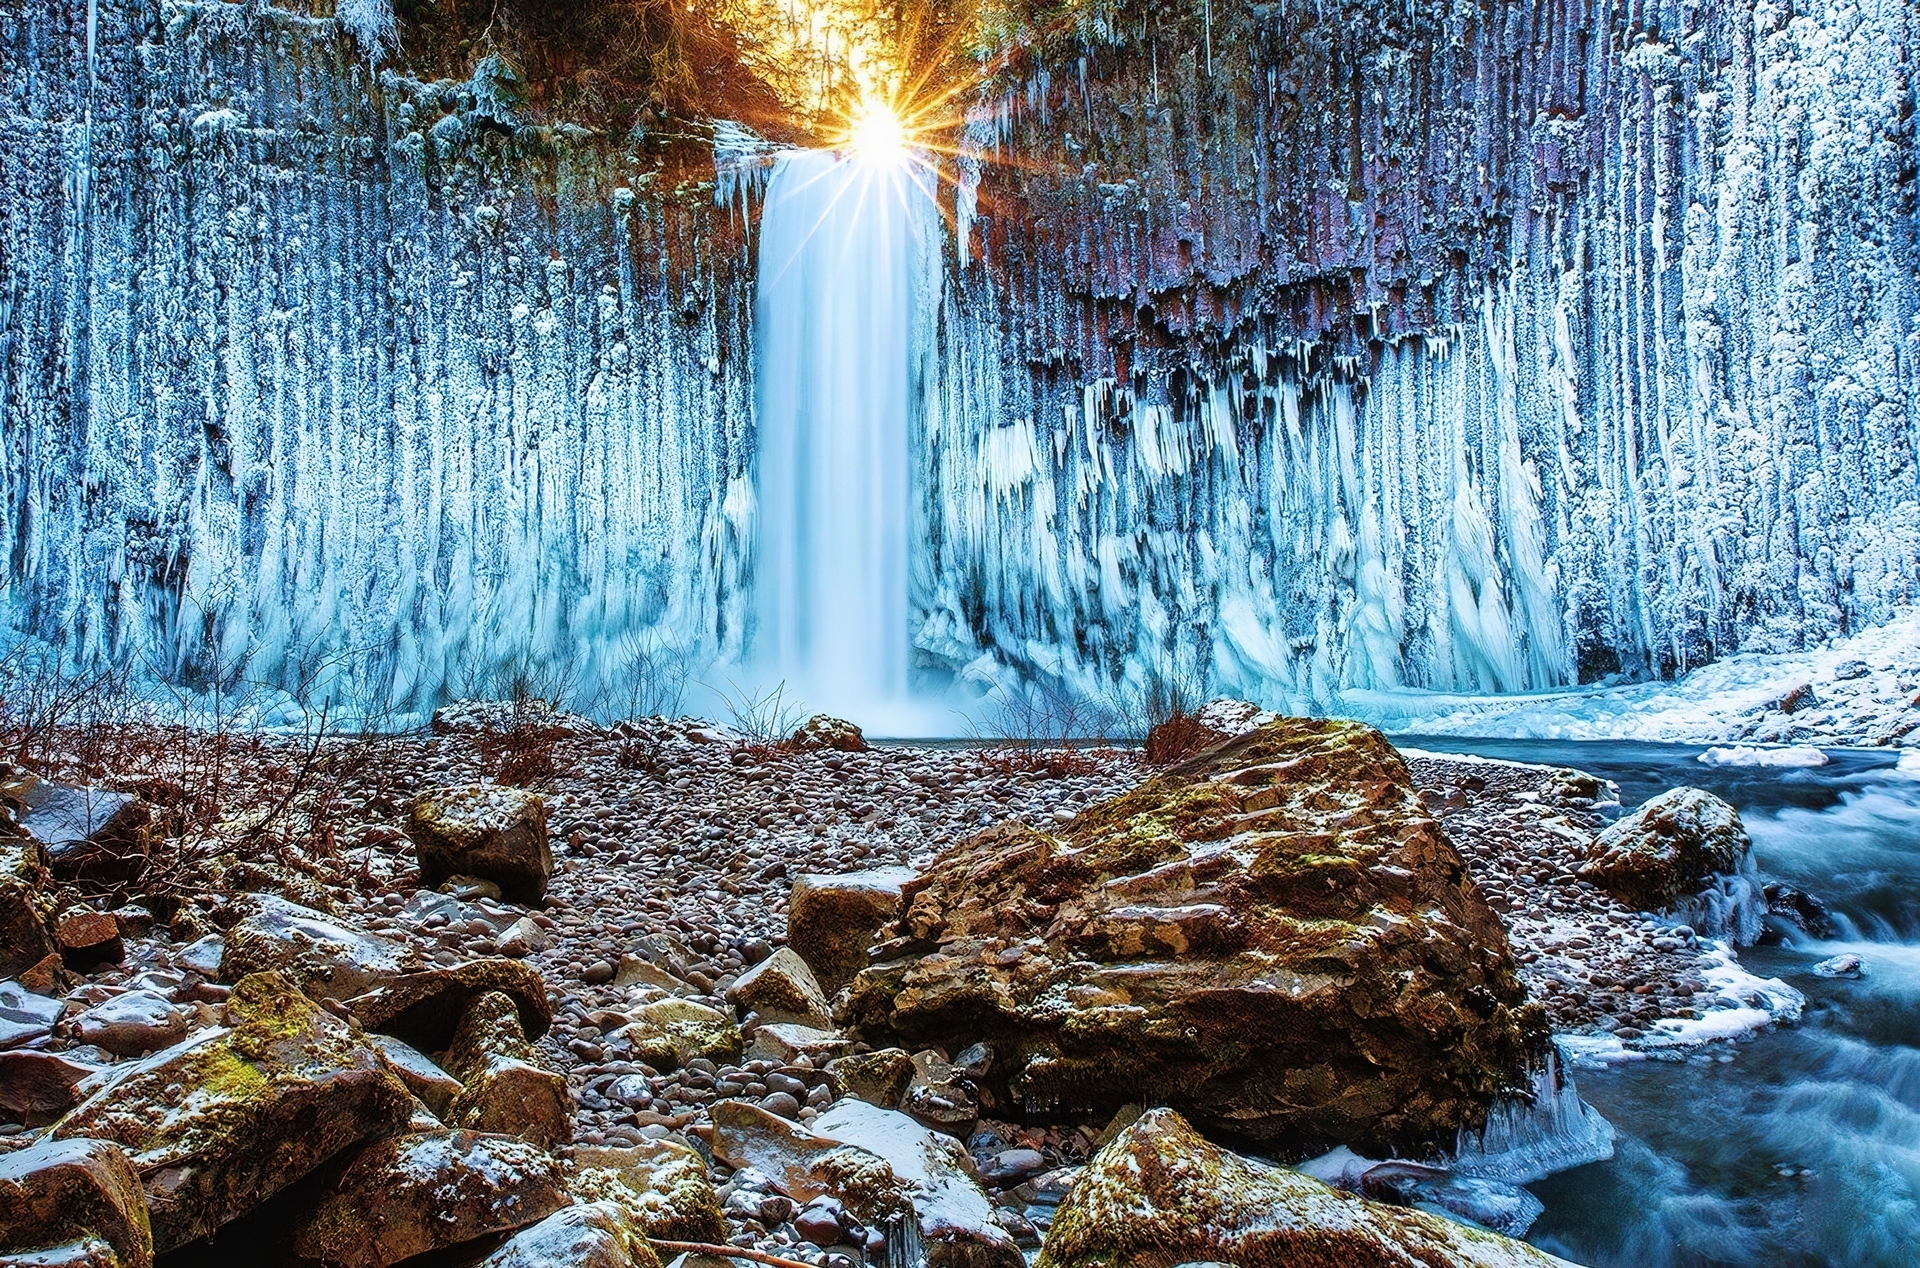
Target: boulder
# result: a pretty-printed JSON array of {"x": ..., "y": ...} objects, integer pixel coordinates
[
  {"x": 939, "y": 1098},
  {"x": 25, "y": 940},
  {"x": 220, "y": 1122},
  {"x": 36, "y": 1088},
  {"x": 1667, "y": 849},
  {"x": 489, "y": 831},
  {"x": 783, "y": 1043},
  {"x": 59, "y": 1192},
  {"x": 507, "y": 1086},
  {"x": 413, "y": 1194},
  {"x": 832, "y": 920},
  {"x": 1159, "y": 1195},
  {"x": 807, "y": 1165},
  {"x": 93, "y": 834},
  {"x": 668, "y": 1033},
  {"x": 434, "y": 1087},
  {"x": 957, "y": 1225},
  {"x": 590, "y": 1235},
  {"x": 1274, "y": 937},
  {"x": 662, "y": 1185},
  {"x": 324, "y": 957},
  {"x": 878, "y": 1078},
  {"x": 822, "y": 731},
  {"x": 425, "y": 1009},
  {"x": 781, "y": 988},
  {"x": 132, "y": 1023},
  {"x": 26, "y": 1015},
  {"x": 87, "y": 938}
]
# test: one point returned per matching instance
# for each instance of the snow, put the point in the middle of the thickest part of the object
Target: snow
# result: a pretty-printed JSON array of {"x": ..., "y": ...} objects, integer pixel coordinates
[
  {"x": 1748, "y": 1003},
  {"x": 1750, "y": 755}
]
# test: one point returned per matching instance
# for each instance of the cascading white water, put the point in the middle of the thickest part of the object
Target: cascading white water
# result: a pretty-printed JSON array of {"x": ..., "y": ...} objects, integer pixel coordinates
[{"x": 839, "y": 282}]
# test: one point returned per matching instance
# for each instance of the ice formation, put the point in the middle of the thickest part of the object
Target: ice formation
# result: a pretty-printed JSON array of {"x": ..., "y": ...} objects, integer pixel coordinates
[{"x": 1450, "y": 347}]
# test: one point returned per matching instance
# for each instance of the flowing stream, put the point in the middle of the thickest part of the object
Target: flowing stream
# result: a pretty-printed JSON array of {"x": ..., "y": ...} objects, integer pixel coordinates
[
  {"x": 839, "y": 299},
  {"x": 1798, "y": 1147}
]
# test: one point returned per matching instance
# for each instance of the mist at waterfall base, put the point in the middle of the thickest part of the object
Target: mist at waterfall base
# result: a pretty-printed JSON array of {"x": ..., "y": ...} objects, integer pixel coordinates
[
  {"x": 840, "y": 292},
  {"x": 1795, "y": 1147}
]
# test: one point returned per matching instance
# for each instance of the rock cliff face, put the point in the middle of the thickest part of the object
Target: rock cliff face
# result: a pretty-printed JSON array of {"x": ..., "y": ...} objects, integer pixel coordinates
[
  {"x": 1477, "y": 346},
  {"x": 1308, "y": 347}
]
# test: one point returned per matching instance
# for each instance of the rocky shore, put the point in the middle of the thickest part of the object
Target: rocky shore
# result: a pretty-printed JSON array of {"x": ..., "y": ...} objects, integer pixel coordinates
[{"x": 824, "y": 1003}]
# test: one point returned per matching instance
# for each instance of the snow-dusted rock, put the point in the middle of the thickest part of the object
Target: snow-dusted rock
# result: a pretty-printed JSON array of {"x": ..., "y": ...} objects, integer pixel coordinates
[
  {"x": 132, "y": 1023},
  {"x": 508, "y": 1086},
  {"x": 426, "y": 1008},
  {"x": 781, "y": 988},
  {"x": 59, "y": 1192},
  {"x": 325, "y": 956},
  {"x": 490, "y": 831},
  {"x": 1667, "y": 849},
  {"x": 832, "y": 920},
  {"x": 662, "y": 1185},
  {"x": 589, "y": 1235},
  {"x": 25, "y": 908}
]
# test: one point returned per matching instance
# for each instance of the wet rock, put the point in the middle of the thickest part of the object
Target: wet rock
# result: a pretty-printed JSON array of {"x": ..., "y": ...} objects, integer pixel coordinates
[
  {"x": 414, "y": 1194},
  {"x": 132, "y": 1023},
  {"x": 36, "y": 1088},
  {"x": 807, "y": 1165},
  {"x": 426, "y": 1080},
  {"x": 1801, "y": 909},
  {"x": 1273, "y": 936},
  {"x": 220, "y": 1122},
  {"x": 490, "y": 831},
  {"x": 878, "y": 1078},
  {"x": 325, "y": 957},
  {"x": 782, "y": 988},
  {"x": 1506, "y": 1209},
  {"x": 668, "y": 1033},
  {"x": 590, "y": 1235},
  {"x": 832, "y": 920},
  {"x": 87, "y": 939},
  {"x": 823, "y": 732},
  {"x": 425, "y": 1009},
  {"x": 91, "y": 834},
  {"x": 203, "y": 955},
  {"x": 26, "y": 1015},
  {"x": 56, "y": 1193},
  {"x": 783, "y": 1043},
  {"x": 1158, "y": 1195},
  {"x": 508, "y": 1088},
  {"x": 1667, "y": 849},
  {"x": 957, "y": 1227},
  {"x": 940, "y": 1099},
  {"x": 662, "y": 1185},
  {"x": 25, "y": 908},
  {"x": 1849, "y": 966}
]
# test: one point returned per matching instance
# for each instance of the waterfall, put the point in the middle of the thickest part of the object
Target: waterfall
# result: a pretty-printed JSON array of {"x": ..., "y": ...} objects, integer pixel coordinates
[{"x": 839, "y": 283}]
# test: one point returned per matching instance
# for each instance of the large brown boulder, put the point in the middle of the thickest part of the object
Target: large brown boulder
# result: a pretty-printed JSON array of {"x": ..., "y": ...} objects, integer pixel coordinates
[
  {"x": 1158, "y": 1195},
  {"x": 325, "y": 957},
  {"x": 589, "y": 1235},
  {"x": 92, "y": 834},
  {"x": 490, "y": 831},
  {"x": 217, "y": 1124},
  {"x": 413, "y": 1194},
  {"x": 1668, "y": 849},
  {"x": 425, "y": 1009},
  {"x": 25, "y": 908},
  {"x": 57, "y": 1193},
  {"x": 832, "y": 920},
  {"x": 661, "y": 1185},
  {"x": 1273, "y": 937}
]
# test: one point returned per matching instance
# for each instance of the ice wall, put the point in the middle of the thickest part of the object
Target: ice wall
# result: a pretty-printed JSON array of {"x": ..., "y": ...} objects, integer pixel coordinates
[
  {"x": 309, "y": 371},
  {"x": 1476, "y": 346}
]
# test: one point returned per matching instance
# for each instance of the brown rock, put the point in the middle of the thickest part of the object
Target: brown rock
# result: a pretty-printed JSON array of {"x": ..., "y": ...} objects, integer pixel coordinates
[
  {"x": 508, "y": 1087},
  {"x": 878, "y": 1078},
  {"x": 132, "y": 1023},
  {"x": 87, "y": 938},
  {"x": 219, "y": 1123},
  {"x": 426, "y": 1080},
  {"x": 325, "y": 957},
  {"x": 1158, "y": 1195},
  {"x": 781, "y": 988},
  {"x": 1274, "y": 937},
  {"x": 668, "y": 1033},
  {"x": 590, "y": 1235},
  {"x": 425, "y": 1009},
  {"x": 661, "y": 1184},
  {"x": 832, "y": 920},
  {"x": 413, "y": 1194},
  {"x": 93, "y": 834},
  {"x": 489, "y": 831},
  {"x": 822, "y": 731},
  {"x": 36, "y": 1088},
  {"x": 58, "y": 1192},
  {"x": 1667, "y": 849},
  {"x": 25, "y": 940}
]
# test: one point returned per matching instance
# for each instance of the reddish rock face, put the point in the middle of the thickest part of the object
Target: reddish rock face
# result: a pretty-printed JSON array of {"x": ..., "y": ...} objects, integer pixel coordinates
[
  {"x": 1667, "y": 849},
  {"x": 1273, "y": 937}
]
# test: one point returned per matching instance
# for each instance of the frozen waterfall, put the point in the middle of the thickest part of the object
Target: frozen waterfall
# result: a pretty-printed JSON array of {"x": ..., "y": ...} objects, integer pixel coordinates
[{"x": 841, "y": 245}]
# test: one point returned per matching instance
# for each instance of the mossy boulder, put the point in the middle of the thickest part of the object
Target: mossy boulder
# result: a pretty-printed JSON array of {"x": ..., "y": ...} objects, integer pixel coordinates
[
  {"x": 26, "y": 938},
  {"x": 325, "y": 957},
  {"x": 59, "y": 1192},
  {"x": 833, "y": 919},
  {"x": 220, "y": 1122},
  {"x": 879, "y": 1078},
  {"x": 1158, "y": 1195},
  {"x": 662, "y": 1185},
  {"x": 668, "y": 1033},
  {"x": 589, "y": 1235},
  {"x": 1668, "y": 849},
  {"x": 488, "y": 831},
  {"x": 824, "y": 731},
  {"x": 508, "y": 1087},
  {"x": 1273, "y": 937},
  {"x": 414, "y": 1194},
  {"x": 781, "y": 988}
]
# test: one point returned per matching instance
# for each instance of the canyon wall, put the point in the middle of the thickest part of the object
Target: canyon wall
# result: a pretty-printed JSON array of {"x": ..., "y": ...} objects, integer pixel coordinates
[
  {"x": 1306, "y": 349},
  {"x": 352, "y": 384},
  {"x": 1314, "y": 347}
]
